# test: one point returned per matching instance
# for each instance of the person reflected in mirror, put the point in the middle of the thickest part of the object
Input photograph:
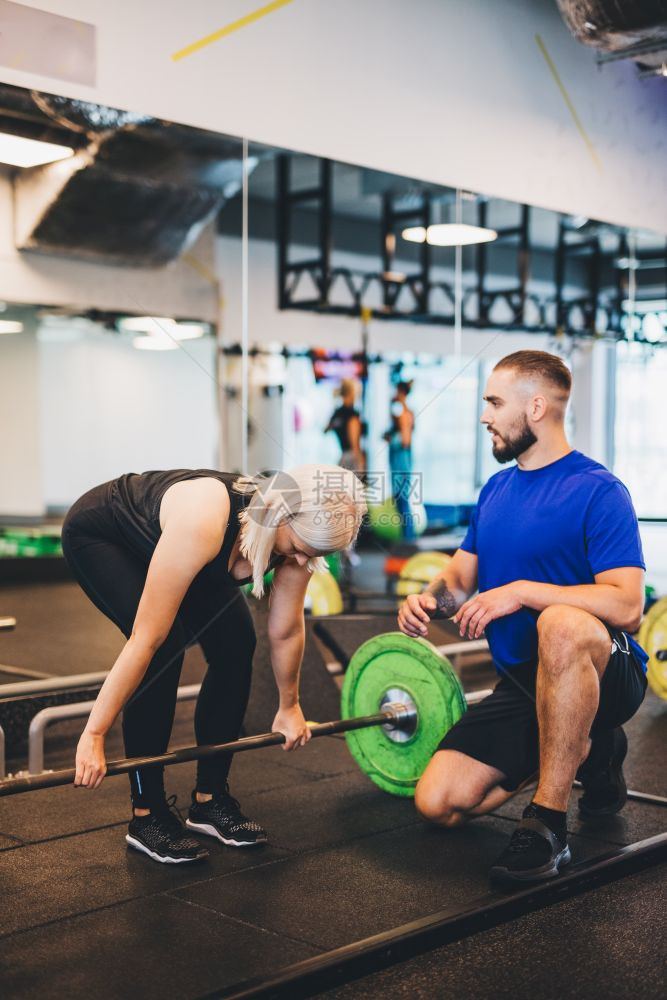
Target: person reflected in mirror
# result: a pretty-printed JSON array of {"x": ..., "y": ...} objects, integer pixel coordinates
[
  {"x": 399, "y": 437},
  {"x": 345, "y": 422}
]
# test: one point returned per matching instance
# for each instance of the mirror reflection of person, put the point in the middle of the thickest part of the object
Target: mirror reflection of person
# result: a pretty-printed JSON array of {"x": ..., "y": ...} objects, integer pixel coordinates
[
  {"x": 164, "y": 555},
  {"x": 399, "y": 437},
  {"x": 345, "y": 422}
]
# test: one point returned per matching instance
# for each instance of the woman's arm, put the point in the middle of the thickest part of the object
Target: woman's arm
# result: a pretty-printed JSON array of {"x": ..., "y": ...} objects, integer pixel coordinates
[
  {"x": 191, "y": 537},
  {"x": 287, "y": 633},
  {"x": 405, "y": 427}
]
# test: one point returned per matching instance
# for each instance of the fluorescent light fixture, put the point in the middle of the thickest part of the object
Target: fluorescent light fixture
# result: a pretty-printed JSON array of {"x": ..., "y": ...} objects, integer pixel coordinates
[
  {"x": 147, "y": 342},
  {"x": 189, "y": 331},
  {"x": 162, "y": 326},
  {"x": 643, "y": 305},
  {"x": 10, "y": 326},
  {"x": 449, "y": 234},
  {"x": 144, "y": 324},
  {"x": 18, "y": 151},
  {"x": 653, "y": 328}
]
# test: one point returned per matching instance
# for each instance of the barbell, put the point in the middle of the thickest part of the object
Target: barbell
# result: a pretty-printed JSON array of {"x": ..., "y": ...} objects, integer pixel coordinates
[{"x": 399, "y": 697}]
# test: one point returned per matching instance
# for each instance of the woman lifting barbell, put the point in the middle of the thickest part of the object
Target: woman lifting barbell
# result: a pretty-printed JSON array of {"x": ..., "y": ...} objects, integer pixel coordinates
[{"x": 164, "y": 555}]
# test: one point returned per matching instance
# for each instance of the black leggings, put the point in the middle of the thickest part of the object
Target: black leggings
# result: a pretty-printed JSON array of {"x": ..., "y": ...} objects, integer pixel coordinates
[{"x": 113, "y": 578}]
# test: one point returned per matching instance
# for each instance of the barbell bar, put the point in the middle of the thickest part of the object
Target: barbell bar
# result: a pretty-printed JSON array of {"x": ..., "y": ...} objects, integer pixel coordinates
[
  {"x": 399, "y": 697},
  {"x": 393, "y": 715}
]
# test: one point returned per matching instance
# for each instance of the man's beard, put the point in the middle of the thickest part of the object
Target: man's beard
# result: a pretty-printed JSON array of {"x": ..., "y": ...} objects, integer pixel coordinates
[{"x": 519, "y": 439}]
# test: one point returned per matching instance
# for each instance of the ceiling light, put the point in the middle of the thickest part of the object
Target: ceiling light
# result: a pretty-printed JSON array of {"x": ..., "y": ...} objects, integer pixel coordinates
[
  {"x": 189, "y": 331},
  {"x": 18, "y": 151},
  {"x": 643, "y": 305},
  {"x": 449, "y": 234},
  {"x": 144, "y": 324},
  {"x": 162, "y": 326},
  {"x": 148, "y": 342},
  {"x": 10, "y": 326},
  {"x": 652, "y": 328}
]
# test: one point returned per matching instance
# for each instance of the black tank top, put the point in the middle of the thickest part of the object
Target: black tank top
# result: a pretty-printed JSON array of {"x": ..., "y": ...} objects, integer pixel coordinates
[
  {"x": 339, "y": 424},
  {"x": 135, "y": 501}
]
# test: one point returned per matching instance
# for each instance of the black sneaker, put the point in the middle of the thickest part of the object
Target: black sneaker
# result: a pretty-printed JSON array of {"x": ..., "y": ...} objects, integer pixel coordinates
[
  {"x": 601, "y": 774},
  {"x": 221, "y": 817},
  {"x": 533, "y": 854},
  {"x": 162, "y": 836}
]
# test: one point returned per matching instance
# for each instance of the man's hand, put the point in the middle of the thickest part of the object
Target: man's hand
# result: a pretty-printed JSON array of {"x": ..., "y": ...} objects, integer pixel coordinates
[
  {"x": 292, "y": 724},
  {"x": 415, "y": 613},
  {"x": 473, "y": 616}
]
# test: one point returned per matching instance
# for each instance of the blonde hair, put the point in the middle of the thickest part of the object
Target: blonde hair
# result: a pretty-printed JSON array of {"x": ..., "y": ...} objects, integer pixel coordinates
[
  {"x": 323, "y": 505},
  {"x": 348, "y": 387}
]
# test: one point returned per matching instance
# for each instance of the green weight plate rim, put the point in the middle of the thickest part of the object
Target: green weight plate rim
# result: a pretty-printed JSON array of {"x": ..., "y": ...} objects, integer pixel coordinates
[{"x": 452, "y": 703}]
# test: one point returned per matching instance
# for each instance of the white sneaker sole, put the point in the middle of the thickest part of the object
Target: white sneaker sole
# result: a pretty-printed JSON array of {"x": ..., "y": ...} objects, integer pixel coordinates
[
  {"x": 552, "y": 870},
  {"x": 138, "y": 846},
  {"x": 210, "y": 831}
]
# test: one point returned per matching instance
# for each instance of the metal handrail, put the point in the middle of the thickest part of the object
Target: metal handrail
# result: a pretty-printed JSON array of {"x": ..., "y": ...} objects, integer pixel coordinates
[
  {"x": 50, "y": 684},
  {"x": 58, "y": 713}
]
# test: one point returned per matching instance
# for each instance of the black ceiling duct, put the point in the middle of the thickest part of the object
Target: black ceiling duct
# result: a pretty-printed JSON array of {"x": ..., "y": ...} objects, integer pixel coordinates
[
  {"x": 621, "y": 29},
  {"x": 137, "y": 191}
]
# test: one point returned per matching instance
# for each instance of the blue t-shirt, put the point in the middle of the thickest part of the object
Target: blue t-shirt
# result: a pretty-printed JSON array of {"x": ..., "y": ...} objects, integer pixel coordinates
[{"x": 561, "y": 524}]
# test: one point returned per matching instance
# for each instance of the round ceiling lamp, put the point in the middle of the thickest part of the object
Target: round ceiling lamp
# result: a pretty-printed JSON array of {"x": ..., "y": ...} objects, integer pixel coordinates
[{"x": 449, "y": 234}]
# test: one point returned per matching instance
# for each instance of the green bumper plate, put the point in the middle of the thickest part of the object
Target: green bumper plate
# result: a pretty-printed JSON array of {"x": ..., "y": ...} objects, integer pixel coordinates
[{"x": 389, "y": 661}]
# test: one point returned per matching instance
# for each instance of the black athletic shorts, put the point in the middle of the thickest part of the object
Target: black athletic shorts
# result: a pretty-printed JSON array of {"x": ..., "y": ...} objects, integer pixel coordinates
[{"x": 501, "y": 730}]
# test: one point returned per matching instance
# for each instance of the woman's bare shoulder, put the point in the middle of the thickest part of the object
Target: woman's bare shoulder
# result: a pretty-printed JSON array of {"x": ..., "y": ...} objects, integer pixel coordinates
[{"x": 204, "y": 501}]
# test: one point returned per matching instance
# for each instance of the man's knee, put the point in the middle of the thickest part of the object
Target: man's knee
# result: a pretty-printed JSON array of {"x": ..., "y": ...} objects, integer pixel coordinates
[
  {"x": 566, "y": 633},
  {"x": 451, "y": 786},
  {"x": 437, "y": 806}
]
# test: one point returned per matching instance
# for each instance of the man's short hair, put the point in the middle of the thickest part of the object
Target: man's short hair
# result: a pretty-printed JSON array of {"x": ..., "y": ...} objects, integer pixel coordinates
[{"x": 539, "y": 364}]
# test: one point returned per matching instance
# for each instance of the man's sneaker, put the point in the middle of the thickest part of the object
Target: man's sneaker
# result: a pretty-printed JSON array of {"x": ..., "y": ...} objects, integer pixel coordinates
[
  {"x": 221, "y": 817},
  {"x": 533, "y": 854},
  {"x": 162, "y": 836},
  {"x": 601, "y": 774}
]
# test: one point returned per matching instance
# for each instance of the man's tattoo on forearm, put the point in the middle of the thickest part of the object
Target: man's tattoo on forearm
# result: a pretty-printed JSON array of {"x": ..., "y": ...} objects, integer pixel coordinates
[{"x": 443, "y": 595}]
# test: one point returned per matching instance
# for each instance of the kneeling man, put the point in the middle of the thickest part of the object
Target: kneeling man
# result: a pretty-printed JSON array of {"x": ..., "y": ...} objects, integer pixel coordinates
[{"x": 554, "y": 548}]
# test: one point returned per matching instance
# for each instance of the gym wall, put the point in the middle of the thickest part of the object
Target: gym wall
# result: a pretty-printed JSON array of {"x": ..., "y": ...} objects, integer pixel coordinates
[{"x": 344, "y": 79}]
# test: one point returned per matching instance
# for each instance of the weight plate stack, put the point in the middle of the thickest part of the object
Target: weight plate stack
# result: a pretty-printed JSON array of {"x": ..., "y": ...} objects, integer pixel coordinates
[
  {"x": 653, "y": 638},
  {"x": 419, "y": 570}
]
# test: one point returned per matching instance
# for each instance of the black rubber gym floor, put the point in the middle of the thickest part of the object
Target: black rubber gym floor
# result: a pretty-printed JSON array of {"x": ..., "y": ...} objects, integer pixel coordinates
[{"x": 84, "y": 916}]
